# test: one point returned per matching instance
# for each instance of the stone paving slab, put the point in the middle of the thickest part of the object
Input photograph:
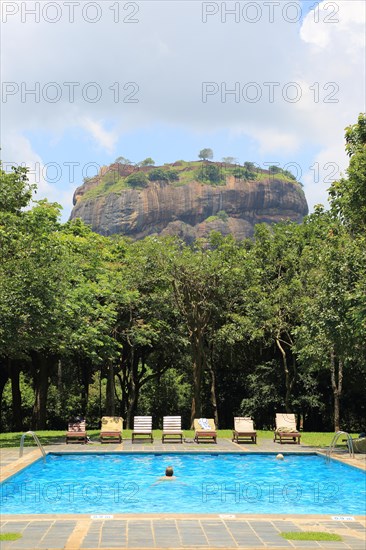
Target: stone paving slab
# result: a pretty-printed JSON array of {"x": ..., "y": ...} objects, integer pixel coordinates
[{"x": 176, "y": 533}]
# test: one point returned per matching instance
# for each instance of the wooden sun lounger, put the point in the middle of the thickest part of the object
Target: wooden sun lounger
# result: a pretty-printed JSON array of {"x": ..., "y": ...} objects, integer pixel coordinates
[
  {"x": 203, "y": 434},
  {"x": 142, "y": 428},
  {"x": 286, "y": 430},
  {"x": 244, "y": 429},
  {"x": 76, "y": 432},
  {"x": 111, "y": 429},
  {"x": 172, "y": 429},
  {"x": 359, "y": 445}
]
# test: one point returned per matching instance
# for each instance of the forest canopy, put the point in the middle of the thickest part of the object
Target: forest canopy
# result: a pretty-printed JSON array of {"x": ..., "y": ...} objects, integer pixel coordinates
[{"x": 97, "y": 325}]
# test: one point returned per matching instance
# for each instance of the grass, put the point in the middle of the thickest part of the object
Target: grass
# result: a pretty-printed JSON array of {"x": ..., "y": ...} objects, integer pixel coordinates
[
  {"x": 10, "y": 536},
  {"x": 310, "y": 535},
  {"x": 187, "y": 172},
  {"x": 313, "y": 439}
]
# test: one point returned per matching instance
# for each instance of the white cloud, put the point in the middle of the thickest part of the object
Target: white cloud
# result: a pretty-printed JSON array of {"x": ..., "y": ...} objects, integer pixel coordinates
[
  {"x": 272, "y": 140},
  {"x": 169, "y": 53},
  {"x": 341, "y": 21},
  {"x": 329, "y": 164},
  {"x": 18, "y": 147},
  {"x": 104, "y": 139}
]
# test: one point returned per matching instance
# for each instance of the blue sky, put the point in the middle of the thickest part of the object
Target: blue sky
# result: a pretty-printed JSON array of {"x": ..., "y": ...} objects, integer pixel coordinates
[{"x": 265, "y": 81}]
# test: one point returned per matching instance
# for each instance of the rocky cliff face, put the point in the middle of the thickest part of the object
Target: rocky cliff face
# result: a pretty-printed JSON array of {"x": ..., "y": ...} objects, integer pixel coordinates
[{"x": 190, "y": 211}]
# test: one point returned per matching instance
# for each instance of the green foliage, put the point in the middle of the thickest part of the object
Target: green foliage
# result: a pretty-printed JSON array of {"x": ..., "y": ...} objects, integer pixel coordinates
[
  {"x": 110, "y": 178},
  {"x": 348, "y": 195},
  {"x": 10, "y": 536},
  {"x": 160, "y": 174},
  {"x": 27, "y": 402},
  {"x": 122, "y": 160},
  {"x": 137, "y": 180},
  {"x": 244, "y": 173},
  {"x": 147, "y": 162},
  {"x": 15, "y": 190},
  {"x": 289, "y": 174},
  {"x": 205, "y": 154},
  {"x": 173, "y": 175},
  {"x": 97, "y": 325},
  {"x": 310, "y": 535},
  {"x": 211, "y": 173},
  {"x": 356, "y": 136},
  {"x": 229, "y": 160},
  {"x": 221, "y": 215},
  {"x": 273, "y": 169}
]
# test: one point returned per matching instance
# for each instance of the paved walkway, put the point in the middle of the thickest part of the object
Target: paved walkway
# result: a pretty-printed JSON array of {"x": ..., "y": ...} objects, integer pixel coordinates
[{"x": 174, "y": 531}]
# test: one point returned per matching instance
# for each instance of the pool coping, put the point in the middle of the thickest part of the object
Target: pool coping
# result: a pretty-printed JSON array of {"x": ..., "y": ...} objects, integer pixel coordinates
[
  {"x": 174, "y": 515},
  {"x": 247, "y": 532}
]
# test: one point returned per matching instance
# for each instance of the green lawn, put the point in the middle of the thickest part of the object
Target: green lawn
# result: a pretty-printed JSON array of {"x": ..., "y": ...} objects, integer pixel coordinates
[
  {"x": 310, "y": 535},
  {"x": 314, "y": 439},
  {"x": 10, "y": 536}
]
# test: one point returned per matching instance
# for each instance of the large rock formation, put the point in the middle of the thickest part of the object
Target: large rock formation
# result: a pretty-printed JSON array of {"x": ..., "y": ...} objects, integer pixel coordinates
[{"x": 190, "y": 210}]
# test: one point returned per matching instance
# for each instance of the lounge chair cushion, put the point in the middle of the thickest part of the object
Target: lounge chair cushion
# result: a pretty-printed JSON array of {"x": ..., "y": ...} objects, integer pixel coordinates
[
  {"x": 172, "y": 428},
  {"x": 76, "y": 432},
  {"x": 244, "y": 429},
  {"x": 142, "y": 426},
  {"x": 286, "y": 428},
  {"x": 111, "y": 429},
  {"x": 207, "y": 432}
]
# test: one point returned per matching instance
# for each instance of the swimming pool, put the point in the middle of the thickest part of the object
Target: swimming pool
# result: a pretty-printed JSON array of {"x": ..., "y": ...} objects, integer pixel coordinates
[{"x": 205, "y": 483}]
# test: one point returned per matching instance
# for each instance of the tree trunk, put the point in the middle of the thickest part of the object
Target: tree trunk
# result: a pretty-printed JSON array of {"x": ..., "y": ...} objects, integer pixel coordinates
[
  {"x": 110, "y": 391},
  {"x": 289, "y": 381},
  {"x": 4, "y": 377},
  {"x": 134, "y": 388},
  {"x": 59, "y": 377},
  {"x": 198, "y": 368},
  {"x": 41, "y": 369},
  {"x": 16, "y": 397},
  {"x": 85, "y": 369},
  {"x": 213, "y": 396},
  {"x": 123, "y": 380},
  {"x": 336, "y": 387}
]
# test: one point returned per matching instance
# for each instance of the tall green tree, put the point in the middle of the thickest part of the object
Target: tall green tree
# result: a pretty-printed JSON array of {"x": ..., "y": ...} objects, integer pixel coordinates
[
  {"x": 205, "y": 154},
  {"x": 327, "y": 336},
  {"x": 348, "y": 195}
]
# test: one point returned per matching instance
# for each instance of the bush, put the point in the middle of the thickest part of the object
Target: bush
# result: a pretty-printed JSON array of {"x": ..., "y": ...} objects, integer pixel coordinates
[
  {"x": 173, "y": 176},
  {"x": 244, "y": 174},
  {"x": 210, "y": 172},
  {"x": 137, "y": 179},
  {"x": 274, "y": 169},
  {"x": 163, "y": 175},
  {"x": 158, "y": 175}
]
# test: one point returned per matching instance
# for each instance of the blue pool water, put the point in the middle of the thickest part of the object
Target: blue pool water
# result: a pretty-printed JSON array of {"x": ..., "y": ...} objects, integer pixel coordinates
[{"x": 205, "y": 483}]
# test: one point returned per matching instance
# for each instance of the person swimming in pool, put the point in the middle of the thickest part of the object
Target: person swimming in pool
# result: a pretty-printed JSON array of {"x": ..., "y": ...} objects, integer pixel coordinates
[{"x": 169, "y": 475}]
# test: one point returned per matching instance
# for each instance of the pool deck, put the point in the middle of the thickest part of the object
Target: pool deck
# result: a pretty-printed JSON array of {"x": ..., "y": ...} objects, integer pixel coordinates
[{"x": 173, "y": 531}]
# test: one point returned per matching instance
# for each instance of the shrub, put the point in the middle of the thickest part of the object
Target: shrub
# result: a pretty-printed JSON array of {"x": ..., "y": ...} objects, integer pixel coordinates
[
  {"x": 137, "y": 179},
  {"x": 244, "y": 174},
  {"x": 163, "y": 175},
  {"x": 210, "y": 172},
  {"x": 158, "y": 175}
]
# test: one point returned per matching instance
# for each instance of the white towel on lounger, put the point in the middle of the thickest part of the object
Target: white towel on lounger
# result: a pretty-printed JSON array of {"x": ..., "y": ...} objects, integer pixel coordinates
[{"x": 203, "y": 422}]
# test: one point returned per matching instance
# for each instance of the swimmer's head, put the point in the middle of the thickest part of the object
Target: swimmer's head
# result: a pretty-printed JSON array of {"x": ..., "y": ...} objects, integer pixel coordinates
[
  {"x": 169, "y": 471},
  {"x": 279, "y": 456}
]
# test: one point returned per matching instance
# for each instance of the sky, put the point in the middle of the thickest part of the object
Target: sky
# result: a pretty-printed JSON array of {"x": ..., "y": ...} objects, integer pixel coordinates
[{"x": 266, "y": 81}]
